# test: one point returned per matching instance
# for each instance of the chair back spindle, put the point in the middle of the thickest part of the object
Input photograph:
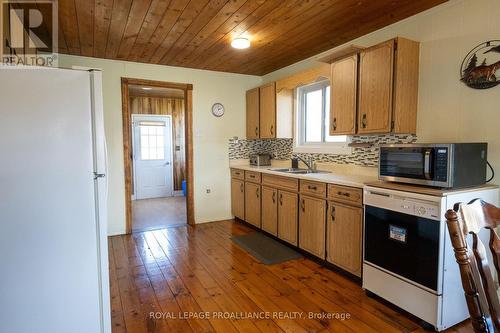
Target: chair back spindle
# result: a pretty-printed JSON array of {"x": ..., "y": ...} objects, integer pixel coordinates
[{"x": 477, "y": 279}]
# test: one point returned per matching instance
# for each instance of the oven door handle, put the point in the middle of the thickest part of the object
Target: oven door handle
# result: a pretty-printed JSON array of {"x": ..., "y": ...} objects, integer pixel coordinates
[{"x": 427, "y": 163}]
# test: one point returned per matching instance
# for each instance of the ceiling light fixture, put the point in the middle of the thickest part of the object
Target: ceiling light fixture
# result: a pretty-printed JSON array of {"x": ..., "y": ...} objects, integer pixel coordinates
[
  {"x": 146, "y": 88},
  {"x": 240, "y": 43}
]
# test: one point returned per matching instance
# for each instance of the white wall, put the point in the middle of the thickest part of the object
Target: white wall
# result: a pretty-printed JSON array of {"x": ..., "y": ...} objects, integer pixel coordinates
[
  {"x": 448, "y": 110},
  {"x": 210, "y": 134}
]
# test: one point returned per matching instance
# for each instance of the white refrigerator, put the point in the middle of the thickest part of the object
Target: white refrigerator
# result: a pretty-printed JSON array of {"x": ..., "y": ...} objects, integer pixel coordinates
[{"x": 53, "y": 189}]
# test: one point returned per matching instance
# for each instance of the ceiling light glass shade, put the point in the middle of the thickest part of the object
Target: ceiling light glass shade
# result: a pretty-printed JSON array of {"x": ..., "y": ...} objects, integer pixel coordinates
[{"x": 240, "y": 43}]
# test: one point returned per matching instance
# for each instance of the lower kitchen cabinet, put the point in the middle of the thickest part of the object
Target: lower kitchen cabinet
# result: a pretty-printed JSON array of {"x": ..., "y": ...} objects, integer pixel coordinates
[
  {"x": 252, "y": 203},
  {"x": 312, "y": 225},
  {"x": 238, "y": 198},
  {"x": 287, "y": 216},
  {"x": 344, "y": 232},
  {"x": 270, "y": 210},
  {"x": 325, "y": 220}
]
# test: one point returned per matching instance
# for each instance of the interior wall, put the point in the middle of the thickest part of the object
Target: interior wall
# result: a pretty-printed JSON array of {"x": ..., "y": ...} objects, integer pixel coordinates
[
  {"x": 210, "y": 134},
  {"x": 448, "y": 110},
  {"x": 168, "y": 107}
]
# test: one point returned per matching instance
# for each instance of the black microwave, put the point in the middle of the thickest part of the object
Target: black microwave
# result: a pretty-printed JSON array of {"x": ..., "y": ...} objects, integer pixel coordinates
[{"x": 445, "y": 165}]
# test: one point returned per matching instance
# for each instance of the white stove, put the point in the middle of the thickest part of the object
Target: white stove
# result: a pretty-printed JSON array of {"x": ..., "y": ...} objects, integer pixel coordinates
[{"x": 408, "y": 258}]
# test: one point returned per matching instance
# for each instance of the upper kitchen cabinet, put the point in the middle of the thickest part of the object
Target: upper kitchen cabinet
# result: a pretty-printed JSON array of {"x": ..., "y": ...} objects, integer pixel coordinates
[
  {"x": 375, "y": 88},
  {"x": 388, "y": 87},
  {"x": 270, "y": 107},
  {"x": 253, "y": 113},
  {"x": 404, "y": 116},
  {"x": 267, "y": 102},
  {"x": 344, "y": 83}
]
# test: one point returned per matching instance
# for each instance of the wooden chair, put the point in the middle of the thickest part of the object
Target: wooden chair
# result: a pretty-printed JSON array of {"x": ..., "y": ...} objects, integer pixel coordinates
[{"x": 477, "y": 280}]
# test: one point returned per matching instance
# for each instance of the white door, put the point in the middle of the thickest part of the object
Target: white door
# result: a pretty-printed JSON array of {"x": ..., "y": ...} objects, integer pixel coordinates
[{"x": 153, "y": 174}]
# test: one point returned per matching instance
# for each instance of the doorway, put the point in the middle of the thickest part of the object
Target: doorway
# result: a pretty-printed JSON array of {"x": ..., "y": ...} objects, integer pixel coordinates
[{"x": 158, "y": 154}]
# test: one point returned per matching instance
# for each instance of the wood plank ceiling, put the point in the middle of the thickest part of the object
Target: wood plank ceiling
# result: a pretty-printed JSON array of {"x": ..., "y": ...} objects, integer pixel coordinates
[{"x": 197, "y": 33}]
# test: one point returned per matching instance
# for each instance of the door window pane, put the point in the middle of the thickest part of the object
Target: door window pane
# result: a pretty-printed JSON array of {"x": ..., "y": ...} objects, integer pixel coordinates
[{"x": 152, "y": 141}]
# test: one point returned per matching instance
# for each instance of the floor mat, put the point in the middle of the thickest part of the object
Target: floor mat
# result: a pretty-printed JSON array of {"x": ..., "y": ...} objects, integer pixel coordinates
[{"x": 265, "y": 249}]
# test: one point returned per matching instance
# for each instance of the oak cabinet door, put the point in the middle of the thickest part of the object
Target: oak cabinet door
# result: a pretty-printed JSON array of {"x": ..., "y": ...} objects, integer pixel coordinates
[
  {"x": 238, "y": 198},
  {"x": 252, "y": 204},
  {"x": 287, "y": 216},
  {"x": 267, "y": 101},
  {"x": 253, "y": 113},
  {"x": 376, "y": 66},
  {"x": 270, "y": 210},
  {"x": 344, "y": 236},
  {"x": 406, "y": 64},
  {"x": 344, "y": 81},
  {"x": 312, "y": 225}
]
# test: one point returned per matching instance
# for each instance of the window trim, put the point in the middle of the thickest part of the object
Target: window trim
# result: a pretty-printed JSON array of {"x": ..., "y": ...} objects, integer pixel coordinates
[{"x": 300, "y": 146}]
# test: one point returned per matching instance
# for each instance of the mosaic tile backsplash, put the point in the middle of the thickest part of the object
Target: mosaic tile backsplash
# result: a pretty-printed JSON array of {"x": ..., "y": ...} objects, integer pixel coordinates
[{"x": 282, "y": 149}]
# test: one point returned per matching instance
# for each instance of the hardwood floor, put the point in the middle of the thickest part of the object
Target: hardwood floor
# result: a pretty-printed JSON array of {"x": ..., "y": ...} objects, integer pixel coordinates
[
  {"x": 150, "y": 214},
  {"x": 195, "y": 279}
]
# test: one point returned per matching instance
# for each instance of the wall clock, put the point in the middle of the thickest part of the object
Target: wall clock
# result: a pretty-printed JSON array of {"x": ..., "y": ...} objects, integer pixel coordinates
[{"x": 218, "y": 110}]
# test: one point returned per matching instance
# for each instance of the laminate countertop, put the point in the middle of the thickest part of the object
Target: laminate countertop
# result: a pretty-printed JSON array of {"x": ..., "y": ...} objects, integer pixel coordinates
[
  {"x": 356, "y": 176},
  {"x": 337, "y": 177}
]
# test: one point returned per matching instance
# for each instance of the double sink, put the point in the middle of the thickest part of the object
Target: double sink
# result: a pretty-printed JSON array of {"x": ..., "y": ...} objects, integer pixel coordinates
[{"x": 298, "y": 171}]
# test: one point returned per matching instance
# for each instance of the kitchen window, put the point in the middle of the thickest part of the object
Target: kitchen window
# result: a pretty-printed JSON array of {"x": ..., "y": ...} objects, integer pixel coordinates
[{"x": 313, "y": 121}]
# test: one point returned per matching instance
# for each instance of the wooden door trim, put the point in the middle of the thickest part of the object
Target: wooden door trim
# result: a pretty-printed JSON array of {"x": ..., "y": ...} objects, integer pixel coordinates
[{"x": 127, "y": 143}]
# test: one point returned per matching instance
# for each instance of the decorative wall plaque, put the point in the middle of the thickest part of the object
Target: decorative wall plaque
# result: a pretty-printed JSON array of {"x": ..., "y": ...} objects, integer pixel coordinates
[{"x": 480, "y": 65}]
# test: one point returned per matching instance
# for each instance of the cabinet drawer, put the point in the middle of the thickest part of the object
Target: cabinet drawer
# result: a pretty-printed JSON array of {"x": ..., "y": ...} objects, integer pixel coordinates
[
  {"x": 237, "y": 174},
  {"x": 313, "y": 188},
  {"x": 346, "y": 194},
  {"x": 281, "y": 182},
  {"x": 252, "y": 176}
]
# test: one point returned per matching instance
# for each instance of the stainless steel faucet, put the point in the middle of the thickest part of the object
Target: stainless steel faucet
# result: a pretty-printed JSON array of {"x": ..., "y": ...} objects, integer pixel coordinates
[{"x": 309, "y": 163}]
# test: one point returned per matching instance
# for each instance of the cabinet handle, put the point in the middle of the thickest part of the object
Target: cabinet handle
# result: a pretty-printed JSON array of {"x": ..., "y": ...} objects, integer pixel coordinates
[
  {"x": 281, "y": 199},
  {"x": 363, "y": 120},
  {"x": 257, "y": 192},
  {"x": 257, "y": 131},
  {"x": 303, "y": 205},
  {"x": 345, "y": 194},
  {"x": 332, "y": 213},
  {"x": 241, "y": 187},
  {"x": 334, "y": 123},
  {"x": 311, "y": 187},
  {"x": 272, "y": 129},
  {"x": 251, "y": 176},
  {"x": 274, "y": 197}
]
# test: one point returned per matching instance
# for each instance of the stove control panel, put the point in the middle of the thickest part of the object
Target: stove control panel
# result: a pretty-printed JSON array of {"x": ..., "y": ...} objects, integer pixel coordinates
[
  {"x": 428, "y": 211},
  {"x": 412, "y": 204}
]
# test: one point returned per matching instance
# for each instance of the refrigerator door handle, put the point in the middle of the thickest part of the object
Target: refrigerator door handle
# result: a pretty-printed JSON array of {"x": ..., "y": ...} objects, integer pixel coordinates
[{"x": 99, "y": 175}]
